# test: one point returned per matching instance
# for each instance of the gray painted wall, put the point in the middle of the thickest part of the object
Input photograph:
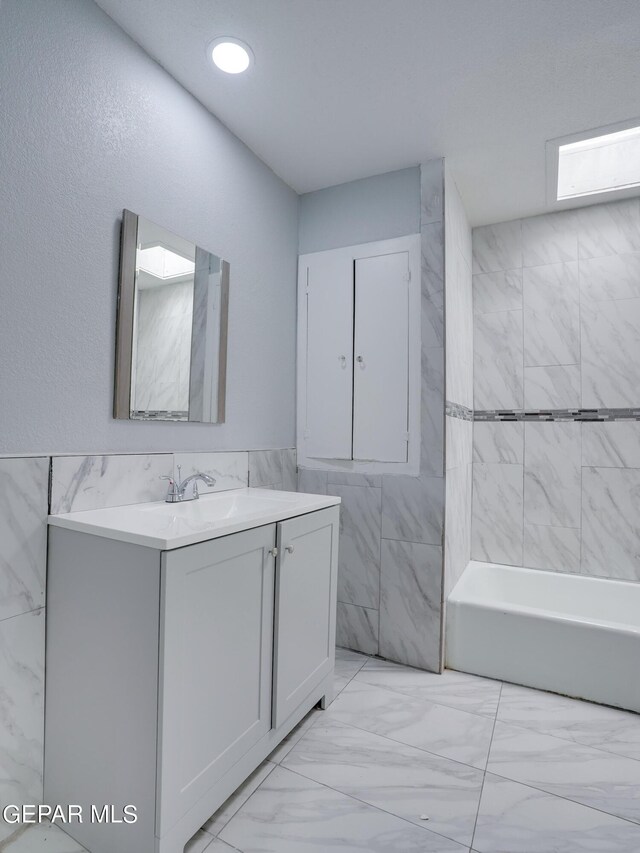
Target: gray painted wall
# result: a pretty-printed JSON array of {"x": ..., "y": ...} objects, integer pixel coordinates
[
  {"x": 91, "y": 125},
  {"x": 376, "y": 208}
]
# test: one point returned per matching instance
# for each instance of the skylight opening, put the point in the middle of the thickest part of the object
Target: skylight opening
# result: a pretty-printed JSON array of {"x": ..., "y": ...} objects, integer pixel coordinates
[
  {"x": 599, "y": 164},
  {"x": 162, "y": 263}
]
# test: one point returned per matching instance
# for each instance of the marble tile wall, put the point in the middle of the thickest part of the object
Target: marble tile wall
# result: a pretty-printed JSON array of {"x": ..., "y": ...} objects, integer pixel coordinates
[
  {"x": 556, "y": 319},
  {"x": 24, "y": 487},
  {"x": 29, "y": 489},
  {"x": 459, "y": 386},
  {"x": 391, "y": 536}
]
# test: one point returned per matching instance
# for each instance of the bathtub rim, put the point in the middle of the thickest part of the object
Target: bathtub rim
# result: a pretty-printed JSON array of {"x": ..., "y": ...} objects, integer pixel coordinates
[{"x": 483, "y": 603}]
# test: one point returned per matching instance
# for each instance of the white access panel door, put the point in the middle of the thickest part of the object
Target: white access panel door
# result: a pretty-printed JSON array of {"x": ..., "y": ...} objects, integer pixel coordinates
[
  {"x": 216, "y": 648},
  {"x": 327, "y": 288},
  {"x": 305, "y": 630},
  {"x": 381, "y": 367}
]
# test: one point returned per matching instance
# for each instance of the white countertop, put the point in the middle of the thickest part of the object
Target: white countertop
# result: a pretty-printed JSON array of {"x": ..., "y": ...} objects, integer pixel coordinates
[{"x": 165, "y": 526}]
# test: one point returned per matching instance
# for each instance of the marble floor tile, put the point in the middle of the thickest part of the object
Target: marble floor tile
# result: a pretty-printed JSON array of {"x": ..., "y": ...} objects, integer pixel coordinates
[
  {"x": 291, "y": 814},
  {"x": 580, "y": 773},
  {"x": 402, "y": 780},
  {"x": 609, "y": 729},
  {"x": 514, "y": 818},
  {"x": 239, "y": 797},
  {"x": 455, "y": 689},
  {"x": 41, "y": 838},
  {"x": 359, "y": 552},
  {"x": 339, "y": 683},
  {"x": 294, "y": 736},
  {"x": 435, "y": 728},
  {"x": 348, "y": 663},
  {"x": 200, "y": 842}
]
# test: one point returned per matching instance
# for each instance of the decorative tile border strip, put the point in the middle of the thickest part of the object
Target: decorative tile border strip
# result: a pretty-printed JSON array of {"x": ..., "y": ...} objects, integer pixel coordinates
[
  {"x": 632, "y": 414},
  {"x": 455, "y": 410}
]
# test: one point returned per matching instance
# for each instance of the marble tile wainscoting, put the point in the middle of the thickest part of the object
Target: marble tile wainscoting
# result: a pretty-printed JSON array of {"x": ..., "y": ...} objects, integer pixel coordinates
[
  {"x": 30, "y": 488},
  {"x": 391, "y": 533},
  {"x": 557, "y": 354}
]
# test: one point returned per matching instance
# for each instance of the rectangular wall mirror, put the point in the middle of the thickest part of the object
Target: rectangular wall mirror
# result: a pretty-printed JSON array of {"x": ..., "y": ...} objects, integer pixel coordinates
[{"x": 171, "y": 348}]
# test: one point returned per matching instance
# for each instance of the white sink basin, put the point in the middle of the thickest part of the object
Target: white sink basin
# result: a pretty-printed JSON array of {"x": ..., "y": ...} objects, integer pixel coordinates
[{"x": 166, "y": 526}]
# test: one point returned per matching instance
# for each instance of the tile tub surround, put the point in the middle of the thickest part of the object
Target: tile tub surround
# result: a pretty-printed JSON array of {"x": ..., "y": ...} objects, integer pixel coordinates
[
  {"x": 542, "y": 773},
  {"x": 564, "y": 495},
  {"x": 569, "y": 284}
]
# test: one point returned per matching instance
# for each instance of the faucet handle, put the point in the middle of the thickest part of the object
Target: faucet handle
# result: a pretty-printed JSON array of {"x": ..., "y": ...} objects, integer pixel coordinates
[{"x": 172, "y": 489}]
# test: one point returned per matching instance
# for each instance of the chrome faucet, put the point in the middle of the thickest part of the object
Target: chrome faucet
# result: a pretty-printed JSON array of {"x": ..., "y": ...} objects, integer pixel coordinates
[{"x": 187, "y": 489}]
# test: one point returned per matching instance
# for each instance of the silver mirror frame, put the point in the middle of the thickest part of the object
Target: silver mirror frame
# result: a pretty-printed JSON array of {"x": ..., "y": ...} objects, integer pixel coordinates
[{"x": 125, "y": 325}]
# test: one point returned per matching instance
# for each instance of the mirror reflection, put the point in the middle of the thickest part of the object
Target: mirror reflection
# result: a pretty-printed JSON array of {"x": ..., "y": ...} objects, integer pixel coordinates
[{"x": 178, "y": 326}]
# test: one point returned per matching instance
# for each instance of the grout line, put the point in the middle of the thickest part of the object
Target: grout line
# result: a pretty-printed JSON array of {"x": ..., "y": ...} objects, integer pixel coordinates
[
  {"x": 428, "y": 701},
  {"x": 576, "y": 743},
  {"x": 412, "y": 746},
  {"x": 23, "y": 613},
  {"x": 566, "y": 799},
  {"x": 484, "y": 776},
  {"x": 377, "y": 808}
]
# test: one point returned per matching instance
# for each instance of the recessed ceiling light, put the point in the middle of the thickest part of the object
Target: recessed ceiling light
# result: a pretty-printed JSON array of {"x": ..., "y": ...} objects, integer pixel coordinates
[
  {"x": 593, "y": 162},
  {"x": 230, "y": 55}
]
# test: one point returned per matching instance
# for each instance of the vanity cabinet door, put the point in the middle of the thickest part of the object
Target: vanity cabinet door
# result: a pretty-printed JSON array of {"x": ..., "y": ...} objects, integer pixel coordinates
[
  {"x": 216, "y": 646},
  {"x": 306, "y": 575}
]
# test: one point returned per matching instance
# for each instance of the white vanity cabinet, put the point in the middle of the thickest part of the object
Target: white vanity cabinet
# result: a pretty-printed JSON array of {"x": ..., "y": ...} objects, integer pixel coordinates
[{"x": 171, "y": 674}]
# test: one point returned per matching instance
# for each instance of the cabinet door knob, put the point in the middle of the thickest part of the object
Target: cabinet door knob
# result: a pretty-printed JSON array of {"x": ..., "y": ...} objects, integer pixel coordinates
[
  {"x": 359, "y": 359},
  {"x": 273, "y": 552},
  {"x": 289, "y": 549}
]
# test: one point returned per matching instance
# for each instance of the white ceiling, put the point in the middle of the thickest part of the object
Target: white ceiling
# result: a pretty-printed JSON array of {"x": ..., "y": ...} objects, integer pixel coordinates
[{"x": 343, "y": 89}]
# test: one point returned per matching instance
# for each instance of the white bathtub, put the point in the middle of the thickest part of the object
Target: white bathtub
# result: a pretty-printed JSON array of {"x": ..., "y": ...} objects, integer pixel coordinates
[{"x": 569, "y": 634}]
